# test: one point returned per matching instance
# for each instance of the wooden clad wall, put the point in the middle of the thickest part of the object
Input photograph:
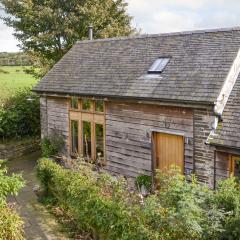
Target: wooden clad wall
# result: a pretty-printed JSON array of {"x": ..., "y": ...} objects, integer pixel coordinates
[
  {"x": 54, "y": 117},
  {"x": 128, "y": 138},
  {"x": 43, "y": 116},
  {"x": 128, "y": 135},
  {"x": 222, "y": 170}
]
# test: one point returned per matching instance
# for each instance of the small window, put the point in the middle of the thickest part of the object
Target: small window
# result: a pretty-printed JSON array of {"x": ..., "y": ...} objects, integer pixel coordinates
[
  {"x": 99, "y": 106},
  {"x": 159, "y": 65},
  {"x": 86, "y": 104},
  {"x": 87, "y": 143},
  {"x": 74, "y": 103},
  {"x": 74, "y": 136}
]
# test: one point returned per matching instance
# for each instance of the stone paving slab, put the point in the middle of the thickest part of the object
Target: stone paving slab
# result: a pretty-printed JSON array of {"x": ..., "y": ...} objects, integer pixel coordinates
[{"x": 39, "y": 223}]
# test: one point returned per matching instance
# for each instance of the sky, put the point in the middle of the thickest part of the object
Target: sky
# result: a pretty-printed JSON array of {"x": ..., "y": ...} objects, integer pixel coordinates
[{"x": 158, "y": 16}]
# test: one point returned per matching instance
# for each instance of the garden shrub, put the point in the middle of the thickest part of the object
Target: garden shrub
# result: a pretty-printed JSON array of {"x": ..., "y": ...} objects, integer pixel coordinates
[
  {"x": 103, "y": 205},
  {"x": 228, "y": 198},
  {"x": 98, "y": 210},
  {"x": 11, "y": 225},
  {"x": 184, "y": 210},
  {"x": 52, "y": 145},
  {"x": 144, "y": 180},
  {"x": 20, "y": 116}
]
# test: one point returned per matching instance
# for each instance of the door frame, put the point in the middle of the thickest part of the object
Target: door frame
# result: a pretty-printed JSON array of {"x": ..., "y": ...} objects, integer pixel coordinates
[{"x": 231, "y": 164}]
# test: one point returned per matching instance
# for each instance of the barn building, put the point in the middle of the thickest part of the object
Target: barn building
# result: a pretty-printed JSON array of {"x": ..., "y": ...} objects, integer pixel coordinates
[{"x": 145, "y": 102}]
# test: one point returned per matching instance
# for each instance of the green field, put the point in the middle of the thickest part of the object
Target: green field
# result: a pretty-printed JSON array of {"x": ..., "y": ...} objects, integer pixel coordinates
[{"x": 13, "y": 78}]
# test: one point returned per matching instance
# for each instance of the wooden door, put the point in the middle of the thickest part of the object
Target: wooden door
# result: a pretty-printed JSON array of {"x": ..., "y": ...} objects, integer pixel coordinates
[{"x": 169, "y": 151}]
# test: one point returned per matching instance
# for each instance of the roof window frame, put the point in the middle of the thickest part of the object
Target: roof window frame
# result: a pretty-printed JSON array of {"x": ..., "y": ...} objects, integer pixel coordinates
[{"x": 155, "y": 70}]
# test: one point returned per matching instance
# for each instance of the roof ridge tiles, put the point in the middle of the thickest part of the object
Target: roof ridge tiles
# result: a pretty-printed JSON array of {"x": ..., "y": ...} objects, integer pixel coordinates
[{"x": 142, "y": 36}]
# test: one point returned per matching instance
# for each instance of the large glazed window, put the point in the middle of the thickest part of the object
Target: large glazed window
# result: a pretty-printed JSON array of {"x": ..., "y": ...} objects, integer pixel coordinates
[
  {"x": 86, "y": 104},
  {"x": 99, "y": 131},
  {"x": 74, "y": 103},
  {"x": 99, "y": 106},
  {"x": 74, "y": 136},
  {"x": 88, "y": 135}
]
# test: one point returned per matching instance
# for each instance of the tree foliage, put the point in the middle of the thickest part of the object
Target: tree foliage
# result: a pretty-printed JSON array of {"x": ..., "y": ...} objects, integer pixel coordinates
[{"x": 47, "y": 29}]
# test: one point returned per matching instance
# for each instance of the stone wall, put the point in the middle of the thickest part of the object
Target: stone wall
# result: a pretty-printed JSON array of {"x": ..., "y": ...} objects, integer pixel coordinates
[
  {"x": 15, "y": 149},
  {"x": 203, "y": 153}
]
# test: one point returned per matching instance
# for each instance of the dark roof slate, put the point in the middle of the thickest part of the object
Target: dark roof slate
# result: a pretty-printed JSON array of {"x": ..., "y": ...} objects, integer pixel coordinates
[
  {"x": 228, "y": 132},
  {"x": 200, "y": 62}
]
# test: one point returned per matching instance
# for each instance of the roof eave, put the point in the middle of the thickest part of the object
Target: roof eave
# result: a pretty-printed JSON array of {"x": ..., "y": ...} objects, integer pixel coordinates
[
  {"x": 66, "y": 94},
  {"x": 218, "y": 145}
]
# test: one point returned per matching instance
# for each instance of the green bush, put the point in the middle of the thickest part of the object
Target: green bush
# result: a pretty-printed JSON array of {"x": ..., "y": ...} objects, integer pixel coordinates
[
  {"x": 99, "y": 204},
  {"x": 103, "y": 206},
  {"x": 184, "y": 210},
  {"x": 144, "y": 180},
  {"x": 52, "y": 145},
  {"x": 11, "y": 225},
  {"x": 20, "y": 116}
]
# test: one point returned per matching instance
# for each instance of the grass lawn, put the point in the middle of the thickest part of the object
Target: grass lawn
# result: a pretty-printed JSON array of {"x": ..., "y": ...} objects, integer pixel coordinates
[{"x": 13, "y": 78}]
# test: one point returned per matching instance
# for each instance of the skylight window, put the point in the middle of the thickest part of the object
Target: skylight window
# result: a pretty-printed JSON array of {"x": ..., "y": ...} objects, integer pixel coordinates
[{"x": 159, "y": 65}]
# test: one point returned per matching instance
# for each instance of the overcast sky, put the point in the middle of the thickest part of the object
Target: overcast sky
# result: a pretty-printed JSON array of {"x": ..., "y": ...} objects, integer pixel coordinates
[{"x": 157, "y": 16}]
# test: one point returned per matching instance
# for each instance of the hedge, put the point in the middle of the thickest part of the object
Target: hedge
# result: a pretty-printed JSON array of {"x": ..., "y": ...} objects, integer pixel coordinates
[
  {"x": 103, "y": 206},
  {"x": 20, "y": 116}
]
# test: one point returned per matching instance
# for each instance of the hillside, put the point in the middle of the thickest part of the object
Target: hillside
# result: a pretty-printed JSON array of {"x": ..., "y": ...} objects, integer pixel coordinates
[
  {"x": 13, "y": 78},
  {"x": 14, "y": 59}
]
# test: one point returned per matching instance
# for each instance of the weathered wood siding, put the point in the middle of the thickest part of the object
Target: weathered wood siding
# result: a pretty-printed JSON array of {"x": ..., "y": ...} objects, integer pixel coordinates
[
  {"x": 43, "y": 115},
  {"x": 203, "y": 154},
  {"x": 128, "y": 135},
  {"x": 54, "y": 117},
  {"x": 222, "y": 166}
]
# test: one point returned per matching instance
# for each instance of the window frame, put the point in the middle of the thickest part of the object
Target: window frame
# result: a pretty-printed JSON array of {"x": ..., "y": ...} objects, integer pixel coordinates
[
  {"x": 232, "y": 162},
  {"x": 70, "y": 128},
  {"x": 94, "y": 118}
]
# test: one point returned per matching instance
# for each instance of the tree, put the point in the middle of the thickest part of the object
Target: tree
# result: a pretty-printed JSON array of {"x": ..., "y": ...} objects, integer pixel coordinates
[{"x": 47, "y": 29}]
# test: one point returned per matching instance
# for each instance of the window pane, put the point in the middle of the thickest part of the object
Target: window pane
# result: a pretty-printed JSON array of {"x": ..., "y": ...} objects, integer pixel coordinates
[
  {"x": 74, "y": 135},
  {"x": 99, "y": 106},
  {"x": 99, "y": 142},
  {"x": 86, "y": 139},
  {"x": 86, "y": 104},
  {"x": 74, "y": 103},
  {"x": 159, "y": 65}
]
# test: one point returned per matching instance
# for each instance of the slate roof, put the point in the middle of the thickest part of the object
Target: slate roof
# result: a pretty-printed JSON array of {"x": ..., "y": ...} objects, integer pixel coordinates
[
  {"x": 200, "y": 62},
  {"x": 228, "y": 132}
]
